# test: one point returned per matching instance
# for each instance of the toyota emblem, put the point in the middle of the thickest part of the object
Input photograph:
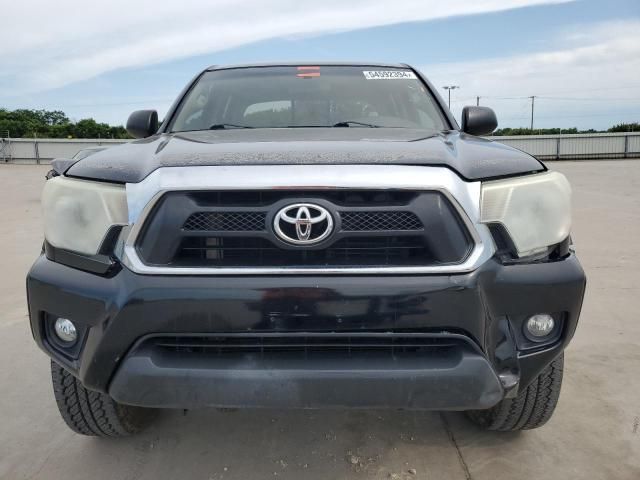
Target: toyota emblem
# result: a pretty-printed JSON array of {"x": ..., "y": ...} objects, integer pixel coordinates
[{"x": 303, "y": 223}]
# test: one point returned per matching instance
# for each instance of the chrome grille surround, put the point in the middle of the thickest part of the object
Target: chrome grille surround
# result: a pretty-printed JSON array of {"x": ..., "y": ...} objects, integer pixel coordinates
[{"x": 464, "y": 196}]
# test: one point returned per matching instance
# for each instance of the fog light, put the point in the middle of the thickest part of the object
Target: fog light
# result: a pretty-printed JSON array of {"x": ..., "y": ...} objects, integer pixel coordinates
[
  {"x": 540, "y": 325},
  {"x": 66, "y": 330}
]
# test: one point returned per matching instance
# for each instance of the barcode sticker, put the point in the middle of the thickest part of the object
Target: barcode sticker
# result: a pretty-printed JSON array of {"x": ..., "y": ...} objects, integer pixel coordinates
[{"x": 389, "y": 75}]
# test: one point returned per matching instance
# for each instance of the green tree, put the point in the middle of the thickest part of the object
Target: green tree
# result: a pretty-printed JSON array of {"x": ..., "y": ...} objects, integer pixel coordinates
[
  {"x": 54, "y": 124},
  {"x": 625, "y": 127},
  {"x": 536, "y": 131}
]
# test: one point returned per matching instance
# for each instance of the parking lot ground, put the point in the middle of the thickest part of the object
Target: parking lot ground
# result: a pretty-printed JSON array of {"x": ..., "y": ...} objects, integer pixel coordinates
[{"x": 594, "y": 434}]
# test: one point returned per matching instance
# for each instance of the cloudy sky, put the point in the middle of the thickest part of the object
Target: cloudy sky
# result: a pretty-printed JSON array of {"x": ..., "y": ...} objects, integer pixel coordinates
[{"x": 580, "y": 58}]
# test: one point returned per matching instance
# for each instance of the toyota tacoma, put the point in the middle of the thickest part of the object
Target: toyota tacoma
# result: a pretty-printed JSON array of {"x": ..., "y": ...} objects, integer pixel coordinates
[{"x": 306, "y": 236}]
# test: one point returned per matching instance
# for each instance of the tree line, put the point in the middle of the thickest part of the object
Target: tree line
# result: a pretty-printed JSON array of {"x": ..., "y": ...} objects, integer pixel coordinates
[
  {"x": 23, "y": 123},
  {"x": 621, "y": 127}
]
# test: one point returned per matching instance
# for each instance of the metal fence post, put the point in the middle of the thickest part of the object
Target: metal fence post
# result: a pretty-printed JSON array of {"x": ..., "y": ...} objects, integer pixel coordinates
[
  {"x": 626, "y": 146},
  {"x": 5, "y": 145},
  {"x": 558, "y": 148},
  {"x": 36, "y": 150}
]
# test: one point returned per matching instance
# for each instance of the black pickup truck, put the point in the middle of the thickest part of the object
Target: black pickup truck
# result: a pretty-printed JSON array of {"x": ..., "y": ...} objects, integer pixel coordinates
[{"x": 315, "y": 235}]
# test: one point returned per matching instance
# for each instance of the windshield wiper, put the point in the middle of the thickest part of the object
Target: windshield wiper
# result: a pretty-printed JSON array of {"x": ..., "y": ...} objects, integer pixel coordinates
[
  {"x": 348, "y": 123},
  {"x": 223, "y": 126}
]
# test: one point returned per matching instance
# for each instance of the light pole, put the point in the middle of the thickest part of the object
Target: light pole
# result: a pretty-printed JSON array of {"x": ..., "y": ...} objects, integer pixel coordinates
[
  {"x": 448, "y": 88},
  {"x": 533, "y": 101}
]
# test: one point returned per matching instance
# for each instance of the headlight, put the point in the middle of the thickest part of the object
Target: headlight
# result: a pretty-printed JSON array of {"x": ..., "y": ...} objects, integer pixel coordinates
[
  {"x": 535, "y": 209},
  {"x": 79, "y": 213}
]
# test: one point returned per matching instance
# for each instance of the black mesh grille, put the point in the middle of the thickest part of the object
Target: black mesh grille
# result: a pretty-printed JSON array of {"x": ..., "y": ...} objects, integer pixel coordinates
[
  {"x": 367, "y": 221},
  {"x": 226, "y": 222}
]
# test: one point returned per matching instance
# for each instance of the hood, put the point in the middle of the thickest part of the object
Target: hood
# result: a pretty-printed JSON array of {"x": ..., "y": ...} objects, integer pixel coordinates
[{"x": 471, "y": 157}]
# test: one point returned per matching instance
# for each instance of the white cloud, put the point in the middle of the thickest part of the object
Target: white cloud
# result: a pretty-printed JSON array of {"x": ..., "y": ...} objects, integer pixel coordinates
[
  {"x": 49, "y": 44},
  {"x": 594, "y": 78}
]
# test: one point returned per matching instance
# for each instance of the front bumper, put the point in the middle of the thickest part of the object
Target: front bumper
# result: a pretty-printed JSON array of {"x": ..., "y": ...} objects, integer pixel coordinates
[{"x": 481, "y": 311}]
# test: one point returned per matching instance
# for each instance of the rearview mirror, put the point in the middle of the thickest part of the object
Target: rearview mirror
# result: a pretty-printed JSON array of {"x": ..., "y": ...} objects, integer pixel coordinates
[
  {"x": 478, "y": 120},
  {"x": 142, "y": 123}
]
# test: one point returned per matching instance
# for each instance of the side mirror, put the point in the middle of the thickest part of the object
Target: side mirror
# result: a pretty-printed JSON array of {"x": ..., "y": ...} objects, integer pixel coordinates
[
  {"x": 142, "y": 123},
  {"x": 478, "y": 120}
]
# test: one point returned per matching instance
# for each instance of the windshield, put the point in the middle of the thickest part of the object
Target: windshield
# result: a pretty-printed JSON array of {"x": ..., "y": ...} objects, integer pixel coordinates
[{"x": 308, "y": 96}]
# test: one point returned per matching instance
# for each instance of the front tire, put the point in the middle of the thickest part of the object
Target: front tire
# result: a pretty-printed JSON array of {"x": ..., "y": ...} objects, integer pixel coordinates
[
  {"x": 94, "y": 413},
  {"x": 531, "y": 408}
]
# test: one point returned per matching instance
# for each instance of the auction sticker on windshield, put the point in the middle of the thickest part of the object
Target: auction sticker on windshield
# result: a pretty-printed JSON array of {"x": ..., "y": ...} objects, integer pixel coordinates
[{"x": 389, "y": 75}]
